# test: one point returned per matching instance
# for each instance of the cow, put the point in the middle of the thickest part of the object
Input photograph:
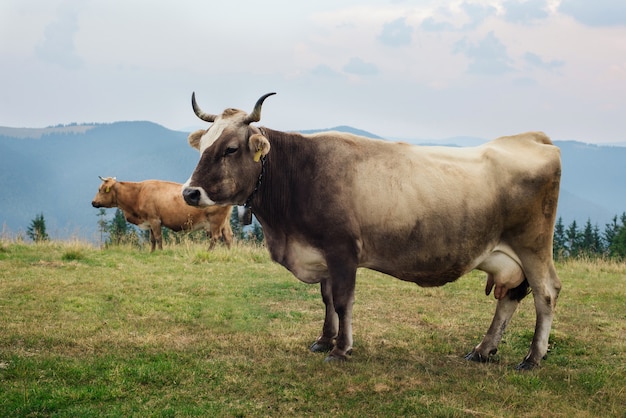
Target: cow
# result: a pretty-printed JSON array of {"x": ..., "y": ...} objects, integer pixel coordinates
[
  {"x": 332, "y": 202},
  {"x": 151, "y": 204}
]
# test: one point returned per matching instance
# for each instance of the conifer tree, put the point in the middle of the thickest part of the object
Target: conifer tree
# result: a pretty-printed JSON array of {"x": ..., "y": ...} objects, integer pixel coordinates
[
  {"x": 588, "y": 241},
  {"x": 597, "y": 240},
  {"x": 610, "y": 232},
  {"x": 102, "y": 224},
  {"x": 118, "y": 228},
  {"x": 257, "y": 232},
  {"x": 617, "y": 247},
  {"x": 235, "y": 225},
  {"x": 558, "y": 244},
  {"x": 572, "y": 238},
  {"x": 37, "y": 229}
]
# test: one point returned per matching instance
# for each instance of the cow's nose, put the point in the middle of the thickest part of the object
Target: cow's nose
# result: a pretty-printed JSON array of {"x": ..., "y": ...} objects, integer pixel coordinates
[
  {"x": 94, "y": 204},
  {"x": 191, "y": 196}
]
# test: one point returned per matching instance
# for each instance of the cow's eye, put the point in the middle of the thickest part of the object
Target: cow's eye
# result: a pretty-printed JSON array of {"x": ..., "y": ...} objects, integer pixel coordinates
[{"x": 230, "y": 150}]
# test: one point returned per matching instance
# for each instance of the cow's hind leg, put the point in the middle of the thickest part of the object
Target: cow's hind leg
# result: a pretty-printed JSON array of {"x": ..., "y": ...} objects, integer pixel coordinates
[
  {"x": 227, "y": 234},
  {"x": 545, "y": 285}
]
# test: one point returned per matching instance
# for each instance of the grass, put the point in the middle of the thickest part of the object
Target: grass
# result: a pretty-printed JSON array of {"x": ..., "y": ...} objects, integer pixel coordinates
[{"x": 183, "y": 332}]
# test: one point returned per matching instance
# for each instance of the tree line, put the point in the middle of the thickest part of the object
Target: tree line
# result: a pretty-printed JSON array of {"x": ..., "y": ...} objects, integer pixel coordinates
[
  {"x": 570, "y": 241},
  {"x": 588, "y": 241}
]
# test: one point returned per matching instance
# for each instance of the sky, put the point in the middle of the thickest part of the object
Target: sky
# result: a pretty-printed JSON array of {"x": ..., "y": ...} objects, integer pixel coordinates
[{"x": 399, "y": 69}]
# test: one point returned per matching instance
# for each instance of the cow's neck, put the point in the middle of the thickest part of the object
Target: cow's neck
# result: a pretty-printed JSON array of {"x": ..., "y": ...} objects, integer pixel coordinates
[
  {"x": 247, "y": 216},
  {"x": 272, "y": 202},
  {"x": 126, "y": 194}
]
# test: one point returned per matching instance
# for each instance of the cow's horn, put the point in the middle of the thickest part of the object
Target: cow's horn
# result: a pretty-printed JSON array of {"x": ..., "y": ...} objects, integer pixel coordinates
[
  {"x": 207, "y": 117},
  {"x": 255, "y": 116},
  {"x": 101, "y": 178}
]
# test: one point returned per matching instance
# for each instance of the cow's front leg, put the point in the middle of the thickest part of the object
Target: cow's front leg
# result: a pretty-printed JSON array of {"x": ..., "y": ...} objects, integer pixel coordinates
[
  {"x": 152, "y": 240},
  {"x": 343, "y": 278},
  {"x": 157, "y": 233},
  {"x": 212, "y": 236},
  {"x": 326, "y": 341}
]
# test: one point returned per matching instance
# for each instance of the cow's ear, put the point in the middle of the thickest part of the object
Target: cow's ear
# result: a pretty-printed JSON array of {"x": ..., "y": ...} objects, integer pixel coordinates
[
  {"x": 195, "y": 137},
  {"x": 259, "y": 145}
]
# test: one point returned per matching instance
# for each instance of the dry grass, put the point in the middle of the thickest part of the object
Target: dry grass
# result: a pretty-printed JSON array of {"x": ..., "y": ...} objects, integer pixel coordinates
[{"x": 184, "y": 332}]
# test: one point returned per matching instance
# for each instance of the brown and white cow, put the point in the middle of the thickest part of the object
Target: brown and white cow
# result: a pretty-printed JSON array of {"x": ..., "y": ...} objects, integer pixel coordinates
[
  {"x": 332, "y": 202},
  {"x": 151, "y": 204}
]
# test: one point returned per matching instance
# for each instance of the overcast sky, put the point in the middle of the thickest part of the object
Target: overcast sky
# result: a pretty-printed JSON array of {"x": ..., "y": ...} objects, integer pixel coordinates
[{"x": 399, "y": 69}]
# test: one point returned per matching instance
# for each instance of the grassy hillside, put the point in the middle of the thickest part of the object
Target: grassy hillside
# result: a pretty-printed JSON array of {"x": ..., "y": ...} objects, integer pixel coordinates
[{"x": 183, "y": 332}]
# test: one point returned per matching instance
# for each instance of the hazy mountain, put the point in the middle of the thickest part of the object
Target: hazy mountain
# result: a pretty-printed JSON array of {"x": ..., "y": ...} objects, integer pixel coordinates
[{"x": 55, "y": 171}]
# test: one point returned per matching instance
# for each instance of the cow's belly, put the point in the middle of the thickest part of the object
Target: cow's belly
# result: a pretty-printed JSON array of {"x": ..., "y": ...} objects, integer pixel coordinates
[
  {"x": 186, "y": 225},
  {"x": 145, "y": 225},
  {"x": 427, "y": 264},
  {"x": 423, "y": 274}
]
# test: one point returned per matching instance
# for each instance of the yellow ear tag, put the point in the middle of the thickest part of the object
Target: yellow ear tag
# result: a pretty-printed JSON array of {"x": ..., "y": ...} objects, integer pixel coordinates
[
  {"x": 107, "y": 190},
  {"x": 257, "y": 155}
]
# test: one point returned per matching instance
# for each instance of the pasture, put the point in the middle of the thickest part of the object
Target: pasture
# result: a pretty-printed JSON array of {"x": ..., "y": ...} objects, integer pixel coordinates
[{"x": 183, "y": 332}]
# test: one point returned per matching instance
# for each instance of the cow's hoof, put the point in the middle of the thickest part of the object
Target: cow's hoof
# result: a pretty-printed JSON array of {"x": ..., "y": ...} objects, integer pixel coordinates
[
  {"x": 338, "y": 355},
  {"x": 334, "y": 358},
  {"x": 476, "y": 356},
  {"x": 320, "y": 347},
  {"x": 526, "y": 365}
]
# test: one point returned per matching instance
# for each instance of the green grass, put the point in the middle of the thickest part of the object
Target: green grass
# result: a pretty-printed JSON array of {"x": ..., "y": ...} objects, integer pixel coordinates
[{"x": 183, "y": 332}]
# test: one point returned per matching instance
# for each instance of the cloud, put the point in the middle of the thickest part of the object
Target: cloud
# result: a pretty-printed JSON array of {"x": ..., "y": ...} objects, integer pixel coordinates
[
  {"x": 58, "y": 44},
  {"x": 324, "y": 71},
  {"x": 396, "y": 33},
  {"x": 477, "y": 14},
  {"x": 359, "y": 67},
  {"x": 597, "y": 12},
  {"x": 488, "y": 57},
  {"x": 524, "y": 82},
  {"x": 431, "y": 25},
  {"x": 525, "y": 12},
  {"x": 536, "y": 61}
]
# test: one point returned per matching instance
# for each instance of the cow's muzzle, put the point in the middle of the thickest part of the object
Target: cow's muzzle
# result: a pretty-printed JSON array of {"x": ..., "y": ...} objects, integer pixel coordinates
[{"x": 192, "y": 196}]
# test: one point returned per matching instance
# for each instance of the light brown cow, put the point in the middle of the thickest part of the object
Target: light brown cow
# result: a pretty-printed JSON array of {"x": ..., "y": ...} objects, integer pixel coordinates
[
  {"x": 332, "y": 202},
  {"x": 151, "y": 204}
]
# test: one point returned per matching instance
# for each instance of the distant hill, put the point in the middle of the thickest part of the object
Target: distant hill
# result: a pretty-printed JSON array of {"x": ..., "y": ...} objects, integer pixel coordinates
[
  {"x": 55, "y": 171},
  {"x": 36, "y": 133}
]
